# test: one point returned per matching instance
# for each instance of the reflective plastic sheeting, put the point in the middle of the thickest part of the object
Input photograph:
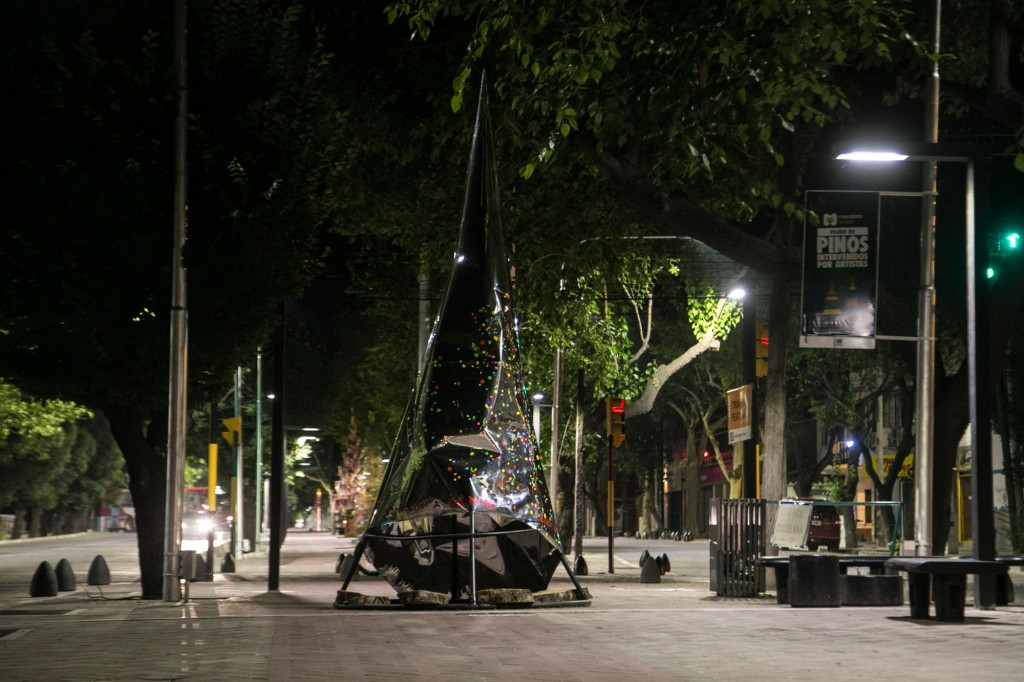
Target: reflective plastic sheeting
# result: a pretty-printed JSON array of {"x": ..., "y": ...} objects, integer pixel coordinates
[{"x": 464, "y": 503}]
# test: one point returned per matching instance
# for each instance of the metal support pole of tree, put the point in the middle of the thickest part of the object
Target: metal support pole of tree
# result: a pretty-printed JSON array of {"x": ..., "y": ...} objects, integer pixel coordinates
[
  {"x": 277, "y": 460},
  {"x": 179, "y": 329}
]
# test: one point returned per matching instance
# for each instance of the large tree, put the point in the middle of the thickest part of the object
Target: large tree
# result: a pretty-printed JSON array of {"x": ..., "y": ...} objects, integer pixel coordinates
[
  {"x": 701, "y": 122},
  {"x": 88, "y": 206}
]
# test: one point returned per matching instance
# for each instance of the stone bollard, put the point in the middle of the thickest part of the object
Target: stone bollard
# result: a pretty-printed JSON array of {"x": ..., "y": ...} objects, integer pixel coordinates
[
  {"x": 650, "y": 572},
  {"x": 99, "y": 574},
  {"x": 228, "y": 564},
  {"x": 580, "y": 566},
  {"x": 44, "y": 581},
  {"x": 665, "y": 565},
  {"x": 65, "y": 576}
]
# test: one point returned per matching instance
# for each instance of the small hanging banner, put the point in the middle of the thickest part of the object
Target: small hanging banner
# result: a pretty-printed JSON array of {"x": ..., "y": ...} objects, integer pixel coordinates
[
  {"x": 840, "y": 274},
  {"x": 740, "y": 421}
]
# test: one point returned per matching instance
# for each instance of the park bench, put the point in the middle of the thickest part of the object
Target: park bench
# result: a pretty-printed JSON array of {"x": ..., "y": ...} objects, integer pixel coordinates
[
  {"x": 875, "y": 589},
  {"x": 1004, "y": 586},
  {"x": 945, "y": 578}
]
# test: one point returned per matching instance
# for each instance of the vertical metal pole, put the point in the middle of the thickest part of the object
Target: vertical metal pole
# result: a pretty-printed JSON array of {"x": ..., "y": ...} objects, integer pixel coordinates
[
  {"x": 211, "y": 486},
  {"x": 424, "y": 311},
  {"x": 925, "y": 379},
  {"x": 611, "y": 504},
  {"x": 239, "y": 500},
  {"x": 578, "y": 487},
  {"x": 472, "y": 550},
  {"x": 259, "y": 447},
  {"x": 556, "y": 399},
  {"x": 277, "y": 459},
  {"x": 982, "y": 522},
  {"x": 179, "y": 330}
]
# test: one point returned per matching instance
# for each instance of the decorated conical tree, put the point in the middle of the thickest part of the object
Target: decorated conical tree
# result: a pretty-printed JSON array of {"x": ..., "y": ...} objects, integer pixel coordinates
[{"x": 464, "y": 504}]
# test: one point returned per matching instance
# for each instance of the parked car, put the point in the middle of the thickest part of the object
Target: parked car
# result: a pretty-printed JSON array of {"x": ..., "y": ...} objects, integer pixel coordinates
[{"x": 824, "y": 528}]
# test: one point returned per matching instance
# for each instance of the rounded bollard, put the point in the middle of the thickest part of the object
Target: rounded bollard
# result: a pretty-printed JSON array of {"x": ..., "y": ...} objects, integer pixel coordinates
[
  {"x": 65, "y": 576},
  {"x": 580, "y": 566},
  {"x": 98, "y": 574},
  {"x": 650, "y": 572},
  {"x": 345, "y": 566},
  {"x": 666, "y": 566},
  {"x": 814, "y": 580},
  {"x": 643, "y": 557},
  {"x": 44, "y": 581},
  {"x": 228, "y": 565}
]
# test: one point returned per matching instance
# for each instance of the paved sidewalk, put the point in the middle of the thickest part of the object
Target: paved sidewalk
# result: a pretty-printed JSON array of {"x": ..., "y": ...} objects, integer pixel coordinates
[{"x": 233, "y": 629}]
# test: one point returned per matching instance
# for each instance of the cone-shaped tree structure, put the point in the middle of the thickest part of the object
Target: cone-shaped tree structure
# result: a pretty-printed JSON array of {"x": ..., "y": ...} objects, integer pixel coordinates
[{"x": 464, "y": 505}]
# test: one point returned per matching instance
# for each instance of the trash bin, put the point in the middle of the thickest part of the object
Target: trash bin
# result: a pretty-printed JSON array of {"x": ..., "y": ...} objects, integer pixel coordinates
[{"x": 736, "y": 531}]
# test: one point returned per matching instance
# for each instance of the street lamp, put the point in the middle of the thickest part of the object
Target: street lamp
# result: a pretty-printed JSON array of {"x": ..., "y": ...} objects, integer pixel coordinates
[
  {"x": 982, "y": 518},
  {"x": 748, "y": 446},
  {"x": 537, "y": 406}
]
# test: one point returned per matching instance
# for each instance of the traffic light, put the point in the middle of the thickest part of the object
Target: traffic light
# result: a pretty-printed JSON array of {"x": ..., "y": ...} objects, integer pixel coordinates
[
  {"x": 615, "y": 419},
  {"x": 1003, "y": 245},
  {"x": 761, "y": 350},
  {"x": 233, "y": 435}
]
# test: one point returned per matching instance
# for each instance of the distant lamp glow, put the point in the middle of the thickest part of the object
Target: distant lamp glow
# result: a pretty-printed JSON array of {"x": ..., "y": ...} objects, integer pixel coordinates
[
  {"x": 538, "y": 396},
  {"x": 872, "y": 156}
]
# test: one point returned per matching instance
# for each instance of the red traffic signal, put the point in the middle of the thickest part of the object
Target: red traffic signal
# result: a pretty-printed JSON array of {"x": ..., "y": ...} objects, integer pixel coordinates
[{"x": 615, "y": 420}]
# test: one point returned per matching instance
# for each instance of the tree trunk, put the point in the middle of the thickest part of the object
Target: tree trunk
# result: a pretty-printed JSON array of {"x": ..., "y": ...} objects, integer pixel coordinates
[
  {"x": 774, "y": 474},
  {"x": 691, "y": 481},
  {"x": 146, "y": 460}
]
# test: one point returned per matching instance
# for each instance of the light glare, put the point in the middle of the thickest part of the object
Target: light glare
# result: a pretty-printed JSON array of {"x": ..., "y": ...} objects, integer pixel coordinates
[{"x": 872, "y": 156}]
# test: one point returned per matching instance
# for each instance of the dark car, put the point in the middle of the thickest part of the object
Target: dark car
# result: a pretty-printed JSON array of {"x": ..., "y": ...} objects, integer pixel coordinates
[{"x": 823, "y": 529}]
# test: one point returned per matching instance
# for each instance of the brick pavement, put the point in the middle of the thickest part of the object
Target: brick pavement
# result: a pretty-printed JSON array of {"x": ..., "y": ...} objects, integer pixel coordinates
[{"x": 233, "y": 629}]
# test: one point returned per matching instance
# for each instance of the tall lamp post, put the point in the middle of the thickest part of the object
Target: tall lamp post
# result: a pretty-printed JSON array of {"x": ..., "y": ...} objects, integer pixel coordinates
[
  {"x": 982, "y": 517},
  {"x": 745, "y": 295}
]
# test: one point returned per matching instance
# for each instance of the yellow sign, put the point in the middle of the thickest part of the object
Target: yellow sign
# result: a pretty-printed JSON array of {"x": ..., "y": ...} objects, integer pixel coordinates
[
  {"x": 906, "y": 471},
  {"x": 740, "y": 422}
]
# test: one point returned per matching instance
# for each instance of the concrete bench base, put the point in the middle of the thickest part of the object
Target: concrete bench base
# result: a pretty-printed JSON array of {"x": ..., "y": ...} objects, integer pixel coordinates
[
  {"x": 871, "y": 590},
  {"x": 944, "y": 579},
  {"x": 814, "y": 581}
]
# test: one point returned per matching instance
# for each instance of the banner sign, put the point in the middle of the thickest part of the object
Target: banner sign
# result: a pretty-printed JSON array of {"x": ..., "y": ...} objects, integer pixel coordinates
[
  {"x": 840, "y": 272},
  {"x": 738, "y": 401}
]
